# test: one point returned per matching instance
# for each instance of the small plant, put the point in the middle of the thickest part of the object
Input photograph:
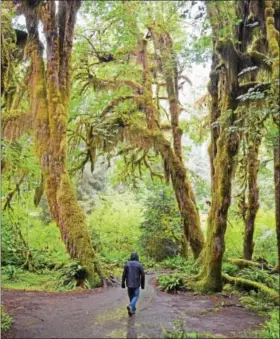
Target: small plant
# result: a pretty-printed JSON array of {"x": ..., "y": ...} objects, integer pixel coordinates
[
  {"x": 256, "y": 274},
  {"x": 6, "y": 320},
  {"x": 73, "y": 275},
  {"x": 179, "y": 332},
  {"x": 170, "y": 283},
  {"x": 230, "y": 268},
  {"x": 270, "y": 328},
  {"x": 180, "y": 264},
  {"x": 149, "y": 263},
  {"x": 12, "y": 272}
]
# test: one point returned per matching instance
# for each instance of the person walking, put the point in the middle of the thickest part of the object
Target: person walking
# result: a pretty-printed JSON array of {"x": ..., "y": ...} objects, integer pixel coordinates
[{"x": 133, "y": 276}]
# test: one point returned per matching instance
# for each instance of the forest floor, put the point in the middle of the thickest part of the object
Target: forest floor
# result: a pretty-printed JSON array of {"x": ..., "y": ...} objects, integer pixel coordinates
[{"x": 102, "y": 314}]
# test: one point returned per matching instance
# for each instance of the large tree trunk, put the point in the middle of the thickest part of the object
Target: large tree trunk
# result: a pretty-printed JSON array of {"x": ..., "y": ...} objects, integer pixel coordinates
[
  {"x": 272, "y": 20},
  {"x": 230, "y": 59},
  {"x": 277, "y": 192},
  {"x": 223, "y": 149},
  {"x": 49, "y": 96},
  {"x": 253, "y": 198},
  {"x": 167, "y": 64},
  {"x": 173, "y": 161}
]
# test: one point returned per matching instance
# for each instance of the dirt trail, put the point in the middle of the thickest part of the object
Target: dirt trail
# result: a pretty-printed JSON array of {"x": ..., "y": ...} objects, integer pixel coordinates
[{"x": 102, "y": 314}]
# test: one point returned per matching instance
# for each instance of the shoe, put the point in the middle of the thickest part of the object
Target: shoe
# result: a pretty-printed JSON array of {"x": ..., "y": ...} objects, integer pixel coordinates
[{"x": 129, "y": 310}]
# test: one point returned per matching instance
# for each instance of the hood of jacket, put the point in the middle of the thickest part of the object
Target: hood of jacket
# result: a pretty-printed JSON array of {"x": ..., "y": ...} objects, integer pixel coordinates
[{"x": 134, "y": 256}]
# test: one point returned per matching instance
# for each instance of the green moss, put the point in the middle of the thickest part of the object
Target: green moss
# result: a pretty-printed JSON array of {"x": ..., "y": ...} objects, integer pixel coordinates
[
  {"x": 30, "y": 281},
  {"x": 248, "y": 284},
  {"x": 269, "y": 11}
]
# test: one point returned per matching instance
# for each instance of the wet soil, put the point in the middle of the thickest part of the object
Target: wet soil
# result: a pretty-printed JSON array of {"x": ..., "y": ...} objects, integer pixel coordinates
[{"x": 102, "y": 314}]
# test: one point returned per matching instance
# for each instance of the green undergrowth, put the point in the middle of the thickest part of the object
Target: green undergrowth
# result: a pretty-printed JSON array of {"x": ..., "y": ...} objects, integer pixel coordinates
[
  {"x": 6, "y": 320},
  {"x": 256, "y": 301},
  {"x": 182, "y": 269},
  {"x": 171, "y": 283},
  {"x": 265, "y": 278},
  {"x": 181, "y": 265},
  {"x": 71, "y": 276},
  {"x": 25, "y": 280},
  {"x": 270, "y": 329},
  {"x": 259, "y": 303},
  {"x": 264, "y": 238},
  {"x": 179, "y": 332}
]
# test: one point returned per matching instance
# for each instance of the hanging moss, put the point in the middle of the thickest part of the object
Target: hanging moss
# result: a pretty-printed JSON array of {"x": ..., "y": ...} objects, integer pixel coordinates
[
  {"x": 49, "y": 94},
  {"x": 173, "y": 161}
]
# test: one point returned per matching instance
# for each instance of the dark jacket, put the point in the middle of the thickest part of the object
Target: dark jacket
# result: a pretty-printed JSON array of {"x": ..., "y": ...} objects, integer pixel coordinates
[{"x": 133, "y": 273}]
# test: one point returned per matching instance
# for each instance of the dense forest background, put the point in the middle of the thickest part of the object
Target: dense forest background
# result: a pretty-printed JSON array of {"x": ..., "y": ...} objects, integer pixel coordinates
[{"x": 148, "y": 126}]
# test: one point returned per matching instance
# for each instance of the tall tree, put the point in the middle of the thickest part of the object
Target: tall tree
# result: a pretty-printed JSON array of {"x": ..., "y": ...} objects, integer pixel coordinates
[
  {"x": 272, "y": 23},
  {"x": 224, "y": 145},
  {"x": 232, "y": 76},
  {"x": 172, "y": 158},
  {"x": 149, "y": 132},
  {"x": 49, "y": 92}
]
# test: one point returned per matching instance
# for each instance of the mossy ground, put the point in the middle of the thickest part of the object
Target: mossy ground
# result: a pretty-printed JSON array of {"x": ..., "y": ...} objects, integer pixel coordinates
[{"x": 29, "y": 281}]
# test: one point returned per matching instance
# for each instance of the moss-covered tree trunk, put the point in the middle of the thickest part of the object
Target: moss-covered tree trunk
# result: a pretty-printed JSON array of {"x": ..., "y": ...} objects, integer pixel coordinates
[
  {"x": 225, "y": 139},
  {"x": 174, "y": 166},
  {"x": 245, "y": 46},
  {"x": 277, "y": 193},
  {"x": 49, "y": 90},
  {"x": 253, "y": 198},
  {"x": 167, "y": 64},
  {"x": 272, "y": 21}
]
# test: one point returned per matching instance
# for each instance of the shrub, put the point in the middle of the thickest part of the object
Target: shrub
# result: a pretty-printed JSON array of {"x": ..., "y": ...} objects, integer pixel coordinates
[
  {"x": 258, "y": 275},
  {"x": 149, "y": 263},
  {"x": 230, "y": 268},
  {"x": 170, "y": 283},
  {"x": 180, "y": 264},
  {"x": 72, "y": 275},
  {"x": 6, "y": 320},
  {"x": 12, "y": 272},
  {"x": 174, "y": 263},
  {"x": 271, "y": 327}
]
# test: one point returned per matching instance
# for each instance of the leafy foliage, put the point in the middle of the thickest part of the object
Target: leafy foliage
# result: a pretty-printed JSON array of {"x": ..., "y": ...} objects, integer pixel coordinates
[
  {"x": 6, "y": 320},
  {"x": 260, "y": 276},
  {"x": 271, "y": 327},
  {"x": 179, "y": 332},
  {"x": 230, "y": 268},
  {"x": 264, "y": 237},
  {"x": 71, "y": 275},
  {"x": 115, "y": 225},
  {"x": 34, "y": 281},
  {"x": 171, "y": 283},
  {"x": 162, "y": 227},
  {"x": 180, "y": 264},
  {"x": 11, "y": 271}
]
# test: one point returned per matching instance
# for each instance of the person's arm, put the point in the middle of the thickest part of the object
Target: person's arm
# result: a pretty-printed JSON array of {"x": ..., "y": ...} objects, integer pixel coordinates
[
  {"x": 124, "y": 276},
  {"x": 142, "y": 278}
]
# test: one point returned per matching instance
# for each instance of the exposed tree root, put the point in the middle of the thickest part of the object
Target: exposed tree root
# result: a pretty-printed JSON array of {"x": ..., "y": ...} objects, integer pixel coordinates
[
  {"x": 242, "y": 263},
  {"x": 249, "y": 285}
]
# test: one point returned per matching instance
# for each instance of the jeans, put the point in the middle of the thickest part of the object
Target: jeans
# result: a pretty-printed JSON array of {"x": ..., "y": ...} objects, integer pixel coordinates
[{"x": 133, "y": 294}]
